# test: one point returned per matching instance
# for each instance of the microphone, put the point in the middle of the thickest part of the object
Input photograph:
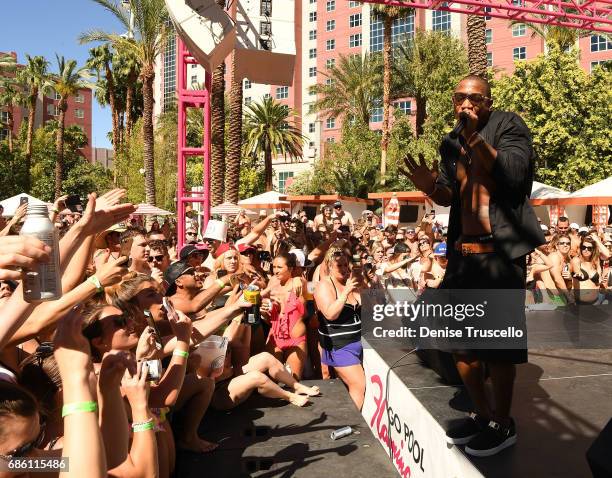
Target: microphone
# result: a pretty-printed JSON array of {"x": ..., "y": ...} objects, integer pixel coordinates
[{"x": 463, "y": 117}]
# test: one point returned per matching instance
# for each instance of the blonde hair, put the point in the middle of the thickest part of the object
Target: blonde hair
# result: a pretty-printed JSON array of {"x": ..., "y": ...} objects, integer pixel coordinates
[{"x": 220, "y": 261}]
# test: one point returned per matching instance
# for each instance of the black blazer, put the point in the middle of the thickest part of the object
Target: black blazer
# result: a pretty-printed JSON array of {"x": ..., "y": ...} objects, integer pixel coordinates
[{"x": 515, "y": 227}]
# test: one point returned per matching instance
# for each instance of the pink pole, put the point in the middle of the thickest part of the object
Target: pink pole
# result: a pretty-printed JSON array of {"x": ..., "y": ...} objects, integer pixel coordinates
[
  {"x": 181, "y": 166},
  {"x": 207, "y": 134}
]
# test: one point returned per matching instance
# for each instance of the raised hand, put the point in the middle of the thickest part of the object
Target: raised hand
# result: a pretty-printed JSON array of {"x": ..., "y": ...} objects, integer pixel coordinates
[
  {"x": 113, "y": 366},
  {"x": 71, "y": 348},
  {"x": 112, "y": 270},
  {"x": 181, "y": 326},
  {"x": 20, "y": 251},
  {"x": 96, "y": 220},
  {"x": 146, "y": 348},
  {"x": 110, "y": 199},
  {"x": 420, "y": 174},
  {"x": 135, "y": 387}
]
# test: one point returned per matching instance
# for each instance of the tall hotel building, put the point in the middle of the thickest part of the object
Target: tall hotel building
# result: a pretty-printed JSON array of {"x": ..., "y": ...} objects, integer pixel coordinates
[{"x": 326, "y": 29}]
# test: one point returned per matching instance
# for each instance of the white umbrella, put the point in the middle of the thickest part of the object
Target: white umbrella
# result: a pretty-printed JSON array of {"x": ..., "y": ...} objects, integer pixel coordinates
[
  {"x": 11, "y": 204},
  {"x": 268, "y": 200},
  {"x": 148, "y": 210},
  {"x": 226, "y": 209}
]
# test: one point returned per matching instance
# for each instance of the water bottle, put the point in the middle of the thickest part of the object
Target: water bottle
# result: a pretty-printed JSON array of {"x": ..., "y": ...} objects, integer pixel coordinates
[
  {"x": 45, "y": 282},
  {"x": 252, "y": 315}
]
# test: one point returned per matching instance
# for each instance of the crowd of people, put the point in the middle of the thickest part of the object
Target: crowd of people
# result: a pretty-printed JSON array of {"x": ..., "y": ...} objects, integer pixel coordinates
[{"x": 111, "y": 363}]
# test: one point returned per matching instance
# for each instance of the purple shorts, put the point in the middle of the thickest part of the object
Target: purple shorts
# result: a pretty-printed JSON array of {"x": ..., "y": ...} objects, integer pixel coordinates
[{"x": 351, "y": 354}]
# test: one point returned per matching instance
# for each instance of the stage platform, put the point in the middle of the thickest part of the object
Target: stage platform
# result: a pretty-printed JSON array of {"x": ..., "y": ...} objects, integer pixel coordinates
[
  {"x": 270, "y": 438},
  {"x": 562, "y": 401}
]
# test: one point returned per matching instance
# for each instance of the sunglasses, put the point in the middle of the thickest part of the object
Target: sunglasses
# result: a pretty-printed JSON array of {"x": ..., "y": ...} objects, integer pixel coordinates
[
  {"x": 155, "y": 258},
  {"x": 423, "y": 242},
  {"x": 119, "y": 321},
  {"x": 564, "y": 243},
  {"x": 337, "y": 207},
  {"x": 586, "y": 248},
  {"x": 475, "y": 98},
  {"x": 23, "y": 450},
  {"x": 191, "y": 233}
]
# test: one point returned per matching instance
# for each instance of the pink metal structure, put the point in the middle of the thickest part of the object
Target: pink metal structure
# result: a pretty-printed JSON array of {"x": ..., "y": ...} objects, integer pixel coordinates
[
  {"x": 592, "y": 15},
  {"x": 191, "y": 99}
]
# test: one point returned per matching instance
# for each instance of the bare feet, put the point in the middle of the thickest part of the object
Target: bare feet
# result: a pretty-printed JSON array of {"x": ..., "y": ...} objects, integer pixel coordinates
[
  {"x": 298, "y": 400},
  {"x": 302, "y": 389},
  {"x": 197, "y": 445}
]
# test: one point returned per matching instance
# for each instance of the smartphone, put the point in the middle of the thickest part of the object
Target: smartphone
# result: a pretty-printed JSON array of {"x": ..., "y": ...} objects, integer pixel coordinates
[
  {"x": 151, "y": 323},
  {"x": 155, "y": 370},
  {"x": 23, "y": 200},
  {"x": 126, "y": 248},
  {"x": 169, "y": 308},
  {"x": 73, "y": 202}
]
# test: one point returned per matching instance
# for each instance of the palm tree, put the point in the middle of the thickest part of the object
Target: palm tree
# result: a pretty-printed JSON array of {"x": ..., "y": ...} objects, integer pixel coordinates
[
  {"x": 268, "y": 130},
  {"x": 128, "y": 72},
  {"x": 7, "y": 63},
  {"x": 477, "y": 45},
  {"x": 10, "y": 96},
  {"x": 352, "y": 86},
  {"x": 66, "y": 83},
  {"x": 387, "y": 15},
  {"x": 100, "y": 60},
  {"x": 217, "y": 139},
  {"x": 234, "y": 150},
  {"x": 425, "y": 67},
  {"x": 35, "y": 79},
  {"x": 151, "y": 32}
]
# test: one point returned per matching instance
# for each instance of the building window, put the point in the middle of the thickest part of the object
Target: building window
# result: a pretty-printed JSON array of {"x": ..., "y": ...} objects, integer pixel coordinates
[
  {"x": 353, "y": 4},
  {"x": 518, "y": 3},
  {"x": 519, "y": 53},
  {"x": 330, "y": 6},
  {"x": 329, "y": 82},
  {"x": 79, "y": 98},
  {"x": 312, "y": 35},
  {"x": 282, "y": 179},
  {"x": 265, "y": 28},
  {"x": 377, "y": 114},
  {"x": 401, "y": 30},
  {"x": 310, "y": 108},
  {"x": 330, "y": 63},
  {"x": 267, "y": 96},
  {"x": 330, "y": 25},
  {"x": 312, "y": 16},
  {"x": 331, "y": 140},
  {"x": 355, "y": 40},
  {"x": 312, "y": 72},
  {"x": 247, "y": 100},
  {"x": 330, "y": 123},
  {"x": 311, "y": 127},
  {"x": 519, "y": 30},
  {"x": 169, "y": 73},
  {"x": 405, "y": 107},
  {"x": 194, "y": 81},
  {"x": 53, "y": 110},
  {"x": 282, "y": 92},
  {"x": 600, "y": 43},
  {"x": 601, "y": 63},
  {"x": 440, "y": 20},
  {"x": 489, "y": 59},
  {"x": 312, "y": 53},
  {"x": 313, "y": 2},
  {"x": 266, "y": 8},
  {"x": 79, "y": 113},
  {"x": 330, "y": 44},
  {"x": 488, "y": 36},
  {"x": 4, "y": 133},
  {"x": 247, "y": 84},
  {"x": 487, "y": 10},
  {"x": 355, "y": 20}
]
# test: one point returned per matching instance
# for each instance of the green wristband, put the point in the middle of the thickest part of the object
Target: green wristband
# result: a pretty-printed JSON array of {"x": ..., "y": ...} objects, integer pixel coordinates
[
  {"x": 96, "y": 282},
  {"x": 143, "y": 427},
  {"x": 78, "y": 407},
  {"x": 181, "y": 353}
]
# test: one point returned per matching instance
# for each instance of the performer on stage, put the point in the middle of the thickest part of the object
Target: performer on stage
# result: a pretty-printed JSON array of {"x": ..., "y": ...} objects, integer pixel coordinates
[{"x": 486, "y": 177}]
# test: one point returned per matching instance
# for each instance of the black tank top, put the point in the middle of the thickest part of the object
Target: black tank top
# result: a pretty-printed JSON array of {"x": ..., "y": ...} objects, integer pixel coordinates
[{"x": 346, "y": 329}]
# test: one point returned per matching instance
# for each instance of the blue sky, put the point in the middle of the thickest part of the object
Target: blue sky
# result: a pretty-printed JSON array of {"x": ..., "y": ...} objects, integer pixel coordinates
[{"x": 46, "y": 27}]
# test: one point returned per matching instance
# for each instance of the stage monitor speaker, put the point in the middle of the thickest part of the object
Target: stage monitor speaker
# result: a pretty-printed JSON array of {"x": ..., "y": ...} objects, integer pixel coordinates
[
  {"x": 409, "y": 213},
  {"x": 599, "y": 455},
  {"x": 205, "y": 28}
]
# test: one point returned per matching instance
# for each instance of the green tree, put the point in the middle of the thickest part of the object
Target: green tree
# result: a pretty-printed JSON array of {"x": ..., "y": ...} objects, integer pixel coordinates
[
  {"x": 150, "y": 32},
  {"x": 426, "y": 67},
  {"x": 268, "y": 131},
  {"x": 569, "y": 113},
  {"x": 234, "y": 150},
  {"x": 35, "y": 79},
  {"x": 477, "y": 45},
  {"x": 10, "y": 96},
  {"x": 66, "y": 83},
  {"x": 353, "y": 85},
  {"x": 387, "y": 15}
]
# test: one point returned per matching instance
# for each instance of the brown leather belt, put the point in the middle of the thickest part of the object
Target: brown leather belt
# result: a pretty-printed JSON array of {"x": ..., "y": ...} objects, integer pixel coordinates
[{"x": 467, "y": 248}]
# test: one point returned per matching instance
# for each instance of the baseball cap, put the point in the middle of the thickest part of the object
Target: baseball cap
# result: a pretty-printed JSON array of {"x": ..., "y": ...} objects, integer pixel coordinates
[
  {"x": 189, "y": 249},
  {"x": 173, "y": 272},
  {"x": 337, "y": 204},
  {"x": 440, "y": 249},
  {"x": 400, "y": 248},
  {"x": 574, "y": 225},
  {"x": 226, "y": 246},
  {"x": 246, "y": 248},
  {"x": 543, "y": 227},
  {"x": 301, "y": 259},
  {"x": 344, "y": 228},
  {"x": 583, "y": 229},
  {"x": 100, "y": 242}
]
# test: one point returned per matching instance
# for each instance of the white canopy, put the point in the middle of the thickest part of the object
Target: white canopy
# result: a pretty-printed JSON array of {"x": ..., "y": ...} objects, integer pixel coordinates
[
  {"x": 268, "y": 200},
  {"x": 597, "y": 190},
  {"x": 144, "y": 209},
  {"x": 11, "y": 204},
  {"x": 544, "y": 191}
]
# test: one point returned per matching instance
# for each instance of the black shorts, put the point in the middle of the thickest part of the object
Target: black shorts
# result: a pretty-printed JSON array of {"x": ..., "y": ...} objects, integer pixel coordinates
[{"x": 490, "y": 271}]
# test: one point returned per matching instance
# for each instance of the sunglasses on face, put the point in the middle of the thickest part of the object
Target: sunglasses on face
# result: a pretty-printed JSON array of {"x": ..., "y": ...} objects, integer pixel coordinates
[
  {"x": 475, "y": 98},
  {"x": 337, "y": 207},
  {"x": 586, "y": 248},
  {"x": 119, "y": 321},
  {"x": 423, "y": 242},
  {"x": 565, "y": 243},
  {"x": 155, "y": 258},
  {"x": 23, "y": 450},
  {"x": 191, "y": 234}
]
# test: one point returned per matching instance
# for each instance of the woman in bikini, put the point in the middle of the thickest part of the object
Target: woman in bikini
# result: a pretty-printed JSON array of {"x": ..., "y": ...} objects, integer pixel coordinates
[
  {"x": 586, "y": 271},
  {"x": 285, "y": 308}
]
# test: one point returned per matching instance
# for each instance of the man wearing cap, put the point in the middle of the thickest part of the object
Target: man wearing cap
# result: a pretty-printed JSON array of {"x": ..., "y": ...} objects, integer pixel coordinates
[
  {"x": 369, "y": 217},
  {"x": 186, "y": 291},
  {"x": 575, "y": 238},
  {"x": 345, "y": 216},
  {"x": 434, "y": 276},
  {"x": 108, "y": 240}
]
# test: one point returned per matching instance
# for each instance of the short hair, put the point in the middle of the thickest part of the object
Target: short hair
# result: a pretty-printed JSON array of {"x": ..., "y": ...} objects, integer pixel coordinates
[
  {"x": 562, "y": 219},
  {"x": 132, "y": 232},
  {"x": 483, "y": 81},
  {"x": 158, "y": 245},
  {"x": 15, "y": 401}
]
